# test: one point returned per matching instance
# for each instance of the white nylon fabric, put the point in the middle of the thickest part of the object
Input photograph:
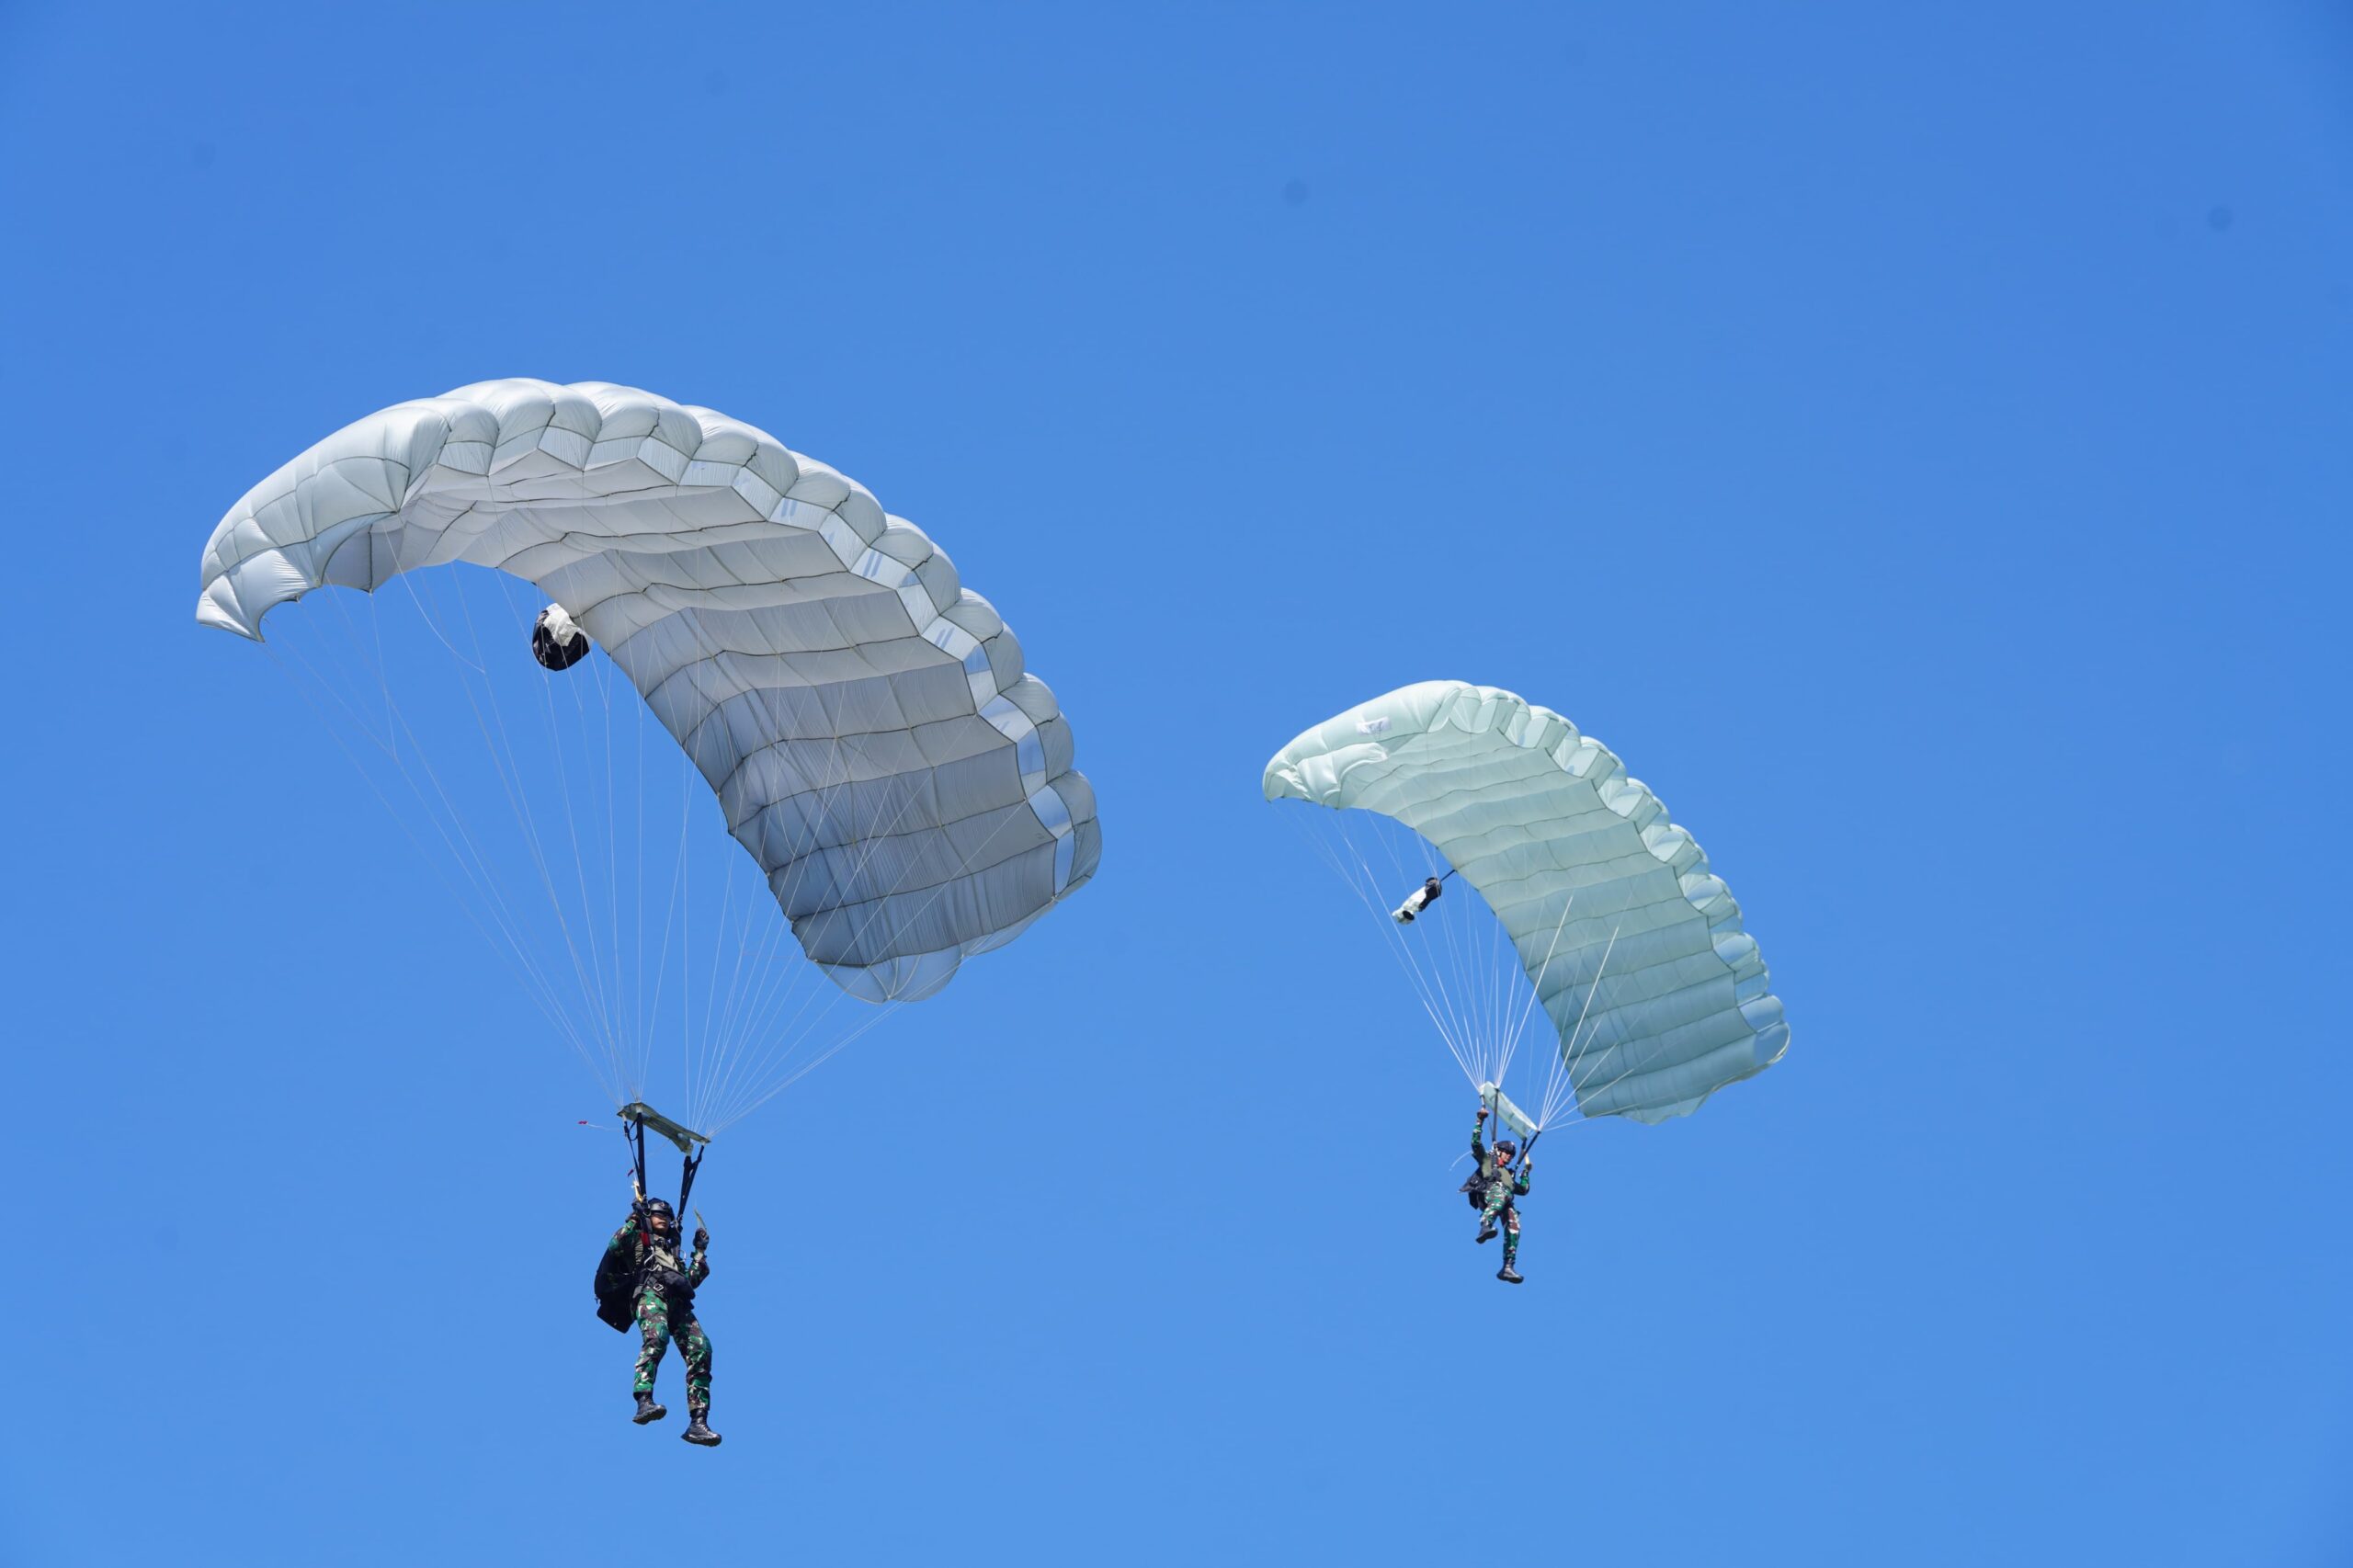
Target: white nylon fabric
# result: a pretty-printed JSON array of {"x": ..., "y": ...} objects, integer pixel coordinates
[
  {"x": 1571, "y": 854},
  {"x": 864, "y": 721}
]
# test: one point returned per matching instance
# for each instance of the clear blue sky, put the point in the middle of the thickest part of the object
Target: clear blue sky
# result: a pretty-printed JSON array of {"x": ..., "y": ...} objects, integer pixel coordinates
[{"x": 1915, "y": 440}]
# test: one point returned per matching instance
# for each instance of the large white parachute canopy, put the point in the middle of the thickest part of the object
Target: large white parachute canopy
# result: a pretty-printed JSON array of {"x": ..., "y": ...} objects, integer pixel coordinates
[
  {"x": 865, "y": 722},
  {"x": 1655, "y": 994}
]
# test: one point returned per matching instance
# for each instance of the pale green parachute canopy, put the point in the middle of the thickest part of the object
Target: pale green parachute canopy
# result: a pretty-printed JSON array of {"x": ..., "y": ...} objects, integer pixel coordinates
[{"x": 1657, "y": 996}]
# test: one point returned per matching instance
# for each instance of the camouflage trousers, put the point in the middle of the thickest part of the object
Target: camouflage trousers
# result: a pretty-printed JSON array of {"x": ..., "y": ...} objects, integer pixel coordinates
[
  {"x": 1499, "y": 1203},
  {"x": 657, "y": 1323}
]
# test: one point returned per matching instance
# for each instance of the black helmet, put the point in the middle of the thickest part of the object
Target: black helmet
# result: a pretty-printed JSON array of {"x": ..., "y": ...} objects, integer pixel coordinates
[
  {"x": 1507, "y": 1148},
  {"x": 660, "y": 1206}
]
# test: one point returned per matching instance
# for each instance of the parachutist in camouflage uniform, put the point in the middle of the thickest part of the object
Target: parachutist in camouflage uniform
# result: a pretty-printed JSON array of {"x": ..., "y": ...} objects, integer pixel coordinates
[
  {"x": 1493, "y": 1186},
  {"x": 645, "y": 1253}
]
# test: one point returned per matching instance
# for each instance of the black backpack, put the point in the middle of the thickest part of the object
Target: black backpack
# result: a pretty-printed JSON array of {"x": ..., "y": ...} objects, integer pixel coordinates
[{"x": 616, "y": 1295}]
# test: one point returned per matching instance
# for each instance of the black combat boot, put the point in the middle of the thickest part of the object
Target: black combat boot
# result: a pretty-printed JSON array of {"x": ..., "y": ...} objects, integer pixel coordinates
[
  {"x": 697, "y": 1432},
  {"x": 1486, "y": 1231},
  {"x": 1509, "y": 1275},
  {"x": 647, "y": 1410}
]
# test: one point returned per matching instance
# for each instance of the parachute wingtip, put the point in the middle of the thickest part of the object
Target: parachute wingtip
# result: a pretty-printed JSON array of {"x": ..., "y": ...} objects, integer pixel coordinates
[{"x": 211, "y": 611}]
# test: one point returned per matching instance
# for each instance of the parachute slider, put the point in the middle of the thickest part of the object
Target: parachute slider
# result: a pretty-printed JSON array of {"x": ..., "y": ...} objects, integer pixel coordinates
[
  {"x": 686, "y": 1138},
  {"x": 1510, "y": 1115},
  {"x": 557, "y": 641},
  {"x": 1418, "y": 900}
]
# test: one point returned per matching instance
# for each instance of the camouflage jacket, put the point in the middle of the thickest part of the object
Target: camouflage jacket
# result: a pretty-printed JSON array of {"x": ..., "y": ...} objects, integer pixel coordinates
[
  {"x": 1487, "y": 1174},
  {"x": 653, "y": 1265}
]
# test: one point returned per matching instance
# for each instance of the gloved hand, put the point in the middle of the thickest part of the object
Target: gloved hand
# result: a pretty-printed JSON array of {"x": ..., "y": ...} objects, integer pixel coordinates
[
  {"x": 703, "y": 1238},
  {"x": 1483, "y": 1113}
]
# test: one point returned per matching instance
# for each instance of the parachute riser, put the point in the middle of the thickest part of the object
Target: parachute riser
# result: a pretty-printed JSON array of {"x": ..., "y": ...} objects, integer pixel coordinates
[
  {"x": 636, "y": 1117},
  {"x": 687, "y": 1180}
]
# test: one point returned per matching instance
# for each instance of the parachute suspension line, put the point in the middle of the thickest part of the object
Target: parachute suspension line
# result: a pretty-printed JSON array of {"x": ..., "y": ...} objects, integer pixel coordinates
[
  {"x": 1430, "y": 984},
  {"x": 508, "y": 768},
  {"x": 782, "y": 1046},
  {"x": 1404, "y": 959},
  {"x": 753, "y": 1037},
  {"x": 472, "y": 859},
  {"x": 674, "y": 916},
  {"x": 579, "y": 862},
  {"x": 1482, "y": 975},
  {"x": 639, "y": 1019},
  {"x": 873, "y": 841},
  {"x": 722, "y": 1036},
  {"x": 746, "y": 1051},
  {"x": 607, "y": 995},
  {"x": 730, "y": 1030},
  {"x": 450, "y": 816},
  {"x": 670, "y": 915},
  {"x": 1561, "y": 1066},
  {"x": 749, "y": 1045},
  {"x": 1448, "y": 998},
  {"x": 602, "y": 672},
  {"x": 698, "y": 1041},
  {"x": 1458, "y": 966},
  {"x": 736, "y": 1043},
  {"x": 1535, "y": 992},
  {"x": 521, "y": 782},
  {"x": 1491, "y": 969},
  {"x": 1450, "y": 971},
  {"x": 779, "y": 1048},
  {"x": 1366, "y": 894},
  {"x": 738, "y": 1054},
  {"x": 687, "y": 1036},
  {"x": 738, "y": 1034},
  {"x": 1466, "y": 984},
  {"x": 636, "y": 1063},
  {"x": 534, "y": 983},
  {"x": 687, "y": 1187},
  {"x": 738, "y": 1112},
  {"x": 703, "y": 1056},
  {"x": 1630, "y": 1068},
  {"x": 1462, "y": 978}
]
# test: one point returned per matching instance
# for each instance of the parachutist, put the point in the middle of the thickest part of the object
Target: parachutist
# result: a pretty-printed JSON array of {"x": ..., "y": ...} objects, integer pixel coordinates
[
  {"x": 1491, "y": 1186},
  {"x": 1421, "y": 899},
  {"x": 640, "y": 1272}
]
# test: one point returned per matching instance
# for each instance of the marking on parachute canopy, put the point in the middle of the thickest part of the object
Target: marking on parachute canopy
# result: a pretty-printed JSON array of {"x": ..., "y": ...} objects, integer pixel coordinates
[{"x": 1371, "y": 726}]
